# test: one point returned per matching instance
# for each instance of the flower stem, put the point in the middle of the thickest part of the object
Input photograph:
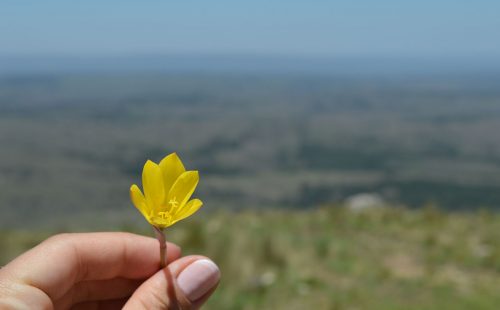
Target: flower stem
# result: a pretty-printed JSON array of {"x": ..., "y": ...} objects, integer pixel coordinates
[{"x": 160, "y": 235}]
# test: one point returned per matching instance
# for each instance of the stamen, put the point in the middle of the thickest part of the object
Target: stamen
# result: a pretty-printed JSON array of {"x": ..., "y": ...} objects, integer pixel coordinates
[
  {"x": 173, "y": 202},
  {"x": 164, "y": 215}
]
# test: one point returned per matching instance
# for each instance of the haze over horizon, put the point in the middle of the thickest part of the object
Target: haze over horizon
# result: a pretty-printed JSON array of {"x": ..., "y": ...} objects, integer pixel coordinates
[{"x": 248, "y": 64}]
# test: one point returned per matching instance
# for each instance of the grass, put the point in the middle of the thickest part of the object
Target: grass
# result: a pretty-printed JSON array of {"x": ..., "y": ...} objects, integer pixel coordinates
[{"x": 333, "y": 258}]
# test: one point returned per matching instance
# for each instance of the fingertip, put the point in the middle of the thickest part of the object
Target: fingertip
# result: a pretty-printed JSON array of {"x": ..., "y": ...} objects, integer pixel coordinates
[
  {"x": 185, "y": 283},
  {"x": 198, "y": 279}
]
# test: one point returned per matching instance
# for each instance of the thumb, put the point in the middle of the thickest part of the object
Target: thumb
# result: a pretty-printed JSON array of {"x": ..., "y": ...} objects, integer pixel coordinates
[{"x": 184, "y": 284}]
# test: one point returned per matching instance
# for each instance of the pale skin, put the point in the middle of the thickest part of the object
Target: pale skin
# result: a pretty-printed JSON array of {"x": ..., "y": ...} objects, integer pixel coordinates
[{"x": 104, "y": 271}]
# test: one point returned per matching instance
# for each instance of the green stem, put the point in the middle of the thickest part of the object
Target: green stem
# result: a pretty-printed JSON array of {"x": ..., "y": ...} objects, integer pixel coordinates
[{"x": 160, "y": 235}]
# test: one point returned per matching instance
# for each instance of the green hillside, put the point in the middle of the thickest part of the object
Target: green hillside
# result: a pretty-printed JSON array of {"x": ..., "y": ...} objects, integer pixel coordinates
[{"x": 334, "y": 258}]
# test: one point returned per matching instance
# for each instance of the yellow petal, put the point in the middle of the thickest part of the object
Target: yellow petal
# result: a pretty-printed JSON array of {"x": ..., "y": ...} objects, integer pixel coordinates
[
  {"x": 152, "y": 183},
  {"x": 183, "y": 188},
  {"x": 139, "y": 201},
  {"x": 171, "y": 167},
  {"x": 191, "y": 207}
]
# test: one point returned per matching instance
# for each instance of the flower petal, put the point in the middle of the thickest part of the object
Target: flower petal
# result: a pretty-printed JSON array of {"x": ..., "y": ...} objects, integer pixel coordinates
[
  {"x": 171, "y": 168},
  {"x": 139, "y": 201},
  {"x": 191, "y": 207},
  {"x": 183, "y": 188},
  {"x": 152, "y": 183}
]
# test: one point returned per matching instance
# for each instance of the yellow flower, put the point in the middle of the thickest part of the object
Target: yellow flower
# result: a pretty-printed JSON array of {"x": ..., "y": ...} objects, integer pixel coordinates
[{"x": 167, "y": 189}]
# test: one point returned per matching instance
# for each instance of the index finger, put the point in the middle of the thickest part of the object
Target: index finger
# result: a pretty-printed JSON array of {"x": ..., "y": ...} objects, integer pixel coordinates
[{"x": 55, "y": 265}]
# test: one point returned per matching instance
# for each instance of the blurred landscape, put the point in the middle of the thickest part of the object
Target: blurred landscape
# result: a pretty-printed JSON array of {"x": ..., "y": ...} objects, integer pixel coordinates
[
  {"x": 321, "y": 191},
  {"x": 348, "y": 151},
  {"x": 73, "y": 144}
]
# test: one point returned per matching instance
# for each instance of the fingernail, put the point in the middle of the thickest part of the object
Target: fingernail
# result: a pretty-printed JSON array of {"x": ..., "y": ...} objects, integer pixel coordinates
[{"x": 198, "y": 278}]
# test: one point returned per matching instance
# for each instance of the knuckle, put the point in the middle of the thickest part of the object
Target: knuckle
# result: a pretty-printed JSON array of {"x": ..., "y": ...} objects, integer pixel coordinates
[
  {"x": 158, "y": 300},
  {"x": 62, "y": 238}
]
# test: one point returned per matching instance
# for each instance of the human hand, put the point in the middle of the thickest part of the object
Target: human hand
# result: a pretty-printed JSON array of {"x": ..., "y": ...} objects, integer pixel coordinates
[{"x": 105, "y": 271}]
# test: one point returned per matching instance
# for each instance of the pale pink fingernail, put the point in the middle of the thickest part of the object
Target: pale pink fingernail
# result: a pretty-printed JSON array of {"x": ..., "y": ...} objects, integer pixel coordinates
[{"x": 198, "y": 278}]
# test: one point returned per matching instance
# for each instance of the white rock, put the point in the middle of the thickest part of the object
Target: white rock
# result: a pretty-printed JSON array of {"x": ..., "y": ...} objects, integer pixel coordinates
[{"x": 364, "y": 201}]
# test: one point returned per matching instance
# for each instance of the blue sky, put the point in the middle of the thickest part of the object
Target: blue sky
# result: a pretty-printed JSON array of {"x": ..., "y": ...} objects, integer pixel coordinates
[{"x": 265, "y": 27}]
